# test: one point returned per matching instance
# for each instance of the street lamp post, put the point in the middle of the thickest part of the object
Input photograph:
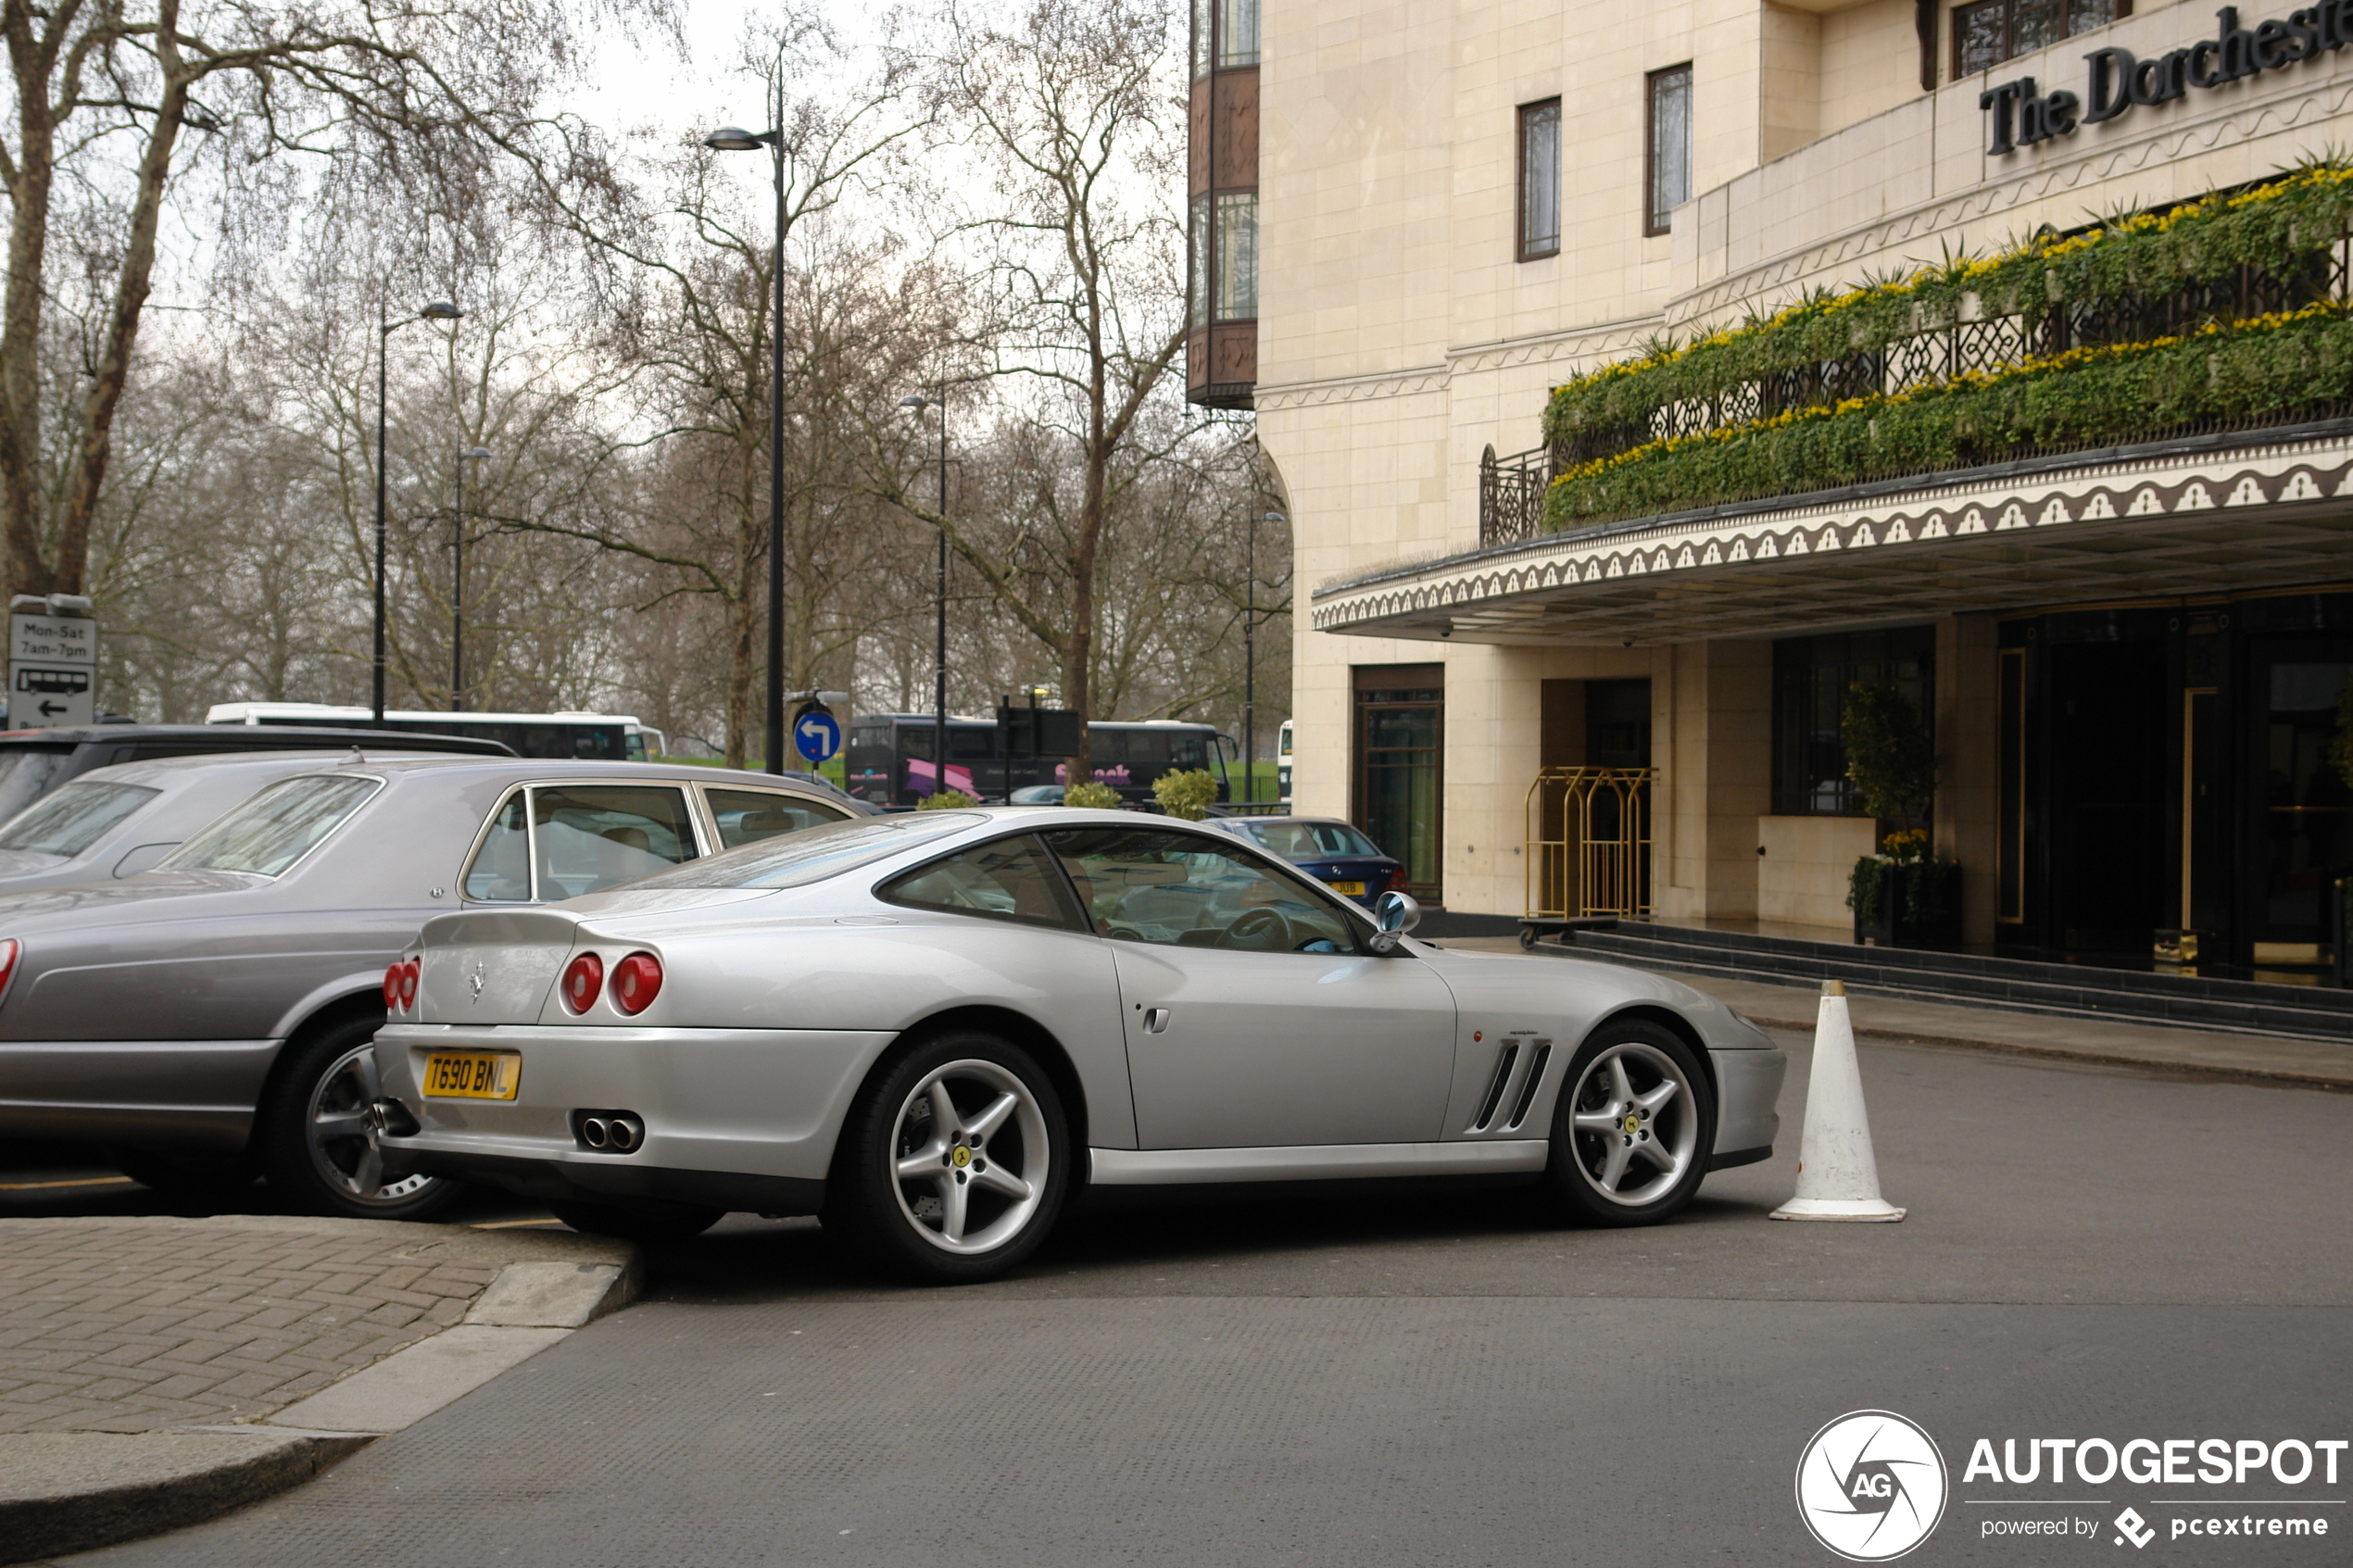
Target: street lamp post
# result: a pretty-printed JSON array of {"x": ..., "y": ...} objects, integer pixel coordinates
[
  {"x": 437, "y": 310},
  {"x": 938, "y": 399},
  {"x": 458, "y": 583},
  {"x": 735, "y": 139}
]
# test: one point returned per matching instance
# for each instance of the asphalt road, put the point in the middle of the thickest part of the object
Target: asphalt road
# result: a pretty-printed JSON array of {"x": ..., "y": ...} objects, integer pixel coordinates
[{"x": 2091, "y": 1254}]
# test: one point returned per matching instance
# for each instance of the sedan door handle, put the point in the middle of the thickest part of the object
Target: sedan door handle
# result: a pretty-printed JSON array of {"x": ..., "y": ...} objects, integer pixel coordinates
[{"x": 1155, "y": 1020}]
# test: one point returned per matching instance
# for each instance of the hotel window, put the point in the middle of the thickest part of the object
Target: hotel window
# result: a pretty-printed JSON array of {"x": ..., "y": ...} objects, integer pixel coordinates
[
  {"x": 1668, "y": 159},
  {"x": 1993, "y": 31},
  {"x": 1540, "y": 179},
  {"x": 1237, "y": 32},
  {"x": 1810, "y": 680},
  {"x": 1237, "y": 283},
  {"x": 1200, "y": 248}
]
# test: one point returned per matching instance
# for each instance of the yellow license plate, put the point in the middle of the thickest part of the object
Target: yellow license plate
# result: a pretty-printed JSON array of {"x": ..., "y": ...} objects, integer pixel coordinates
[
  {"x": 473, "y": 1074},
  {"x": 1353, "y": 889}
]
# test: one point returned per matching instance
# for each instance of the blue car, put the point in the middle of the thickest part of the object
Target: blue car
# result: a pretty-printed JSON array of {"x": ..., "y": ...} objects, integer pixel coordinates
[{"x": 1331, "y": 851}]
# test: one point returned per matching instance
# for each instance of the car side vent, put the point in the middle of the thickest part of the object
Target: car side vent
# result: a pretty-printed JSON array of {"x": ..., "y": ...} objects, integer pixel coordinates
[
  {"x": 1535, "y": 1081},
  {"x": 1495, "y": 1095}
]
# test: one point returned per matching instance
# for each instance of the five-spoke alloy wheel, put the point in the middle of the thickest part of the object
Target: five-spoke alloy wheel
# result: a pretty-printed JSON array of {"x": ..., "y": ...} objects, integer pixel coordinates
[
  {"x": 313, "y": 1130},
  {"x": 1635, "y": 1127},
  {"x": 955, "y": 1163}
]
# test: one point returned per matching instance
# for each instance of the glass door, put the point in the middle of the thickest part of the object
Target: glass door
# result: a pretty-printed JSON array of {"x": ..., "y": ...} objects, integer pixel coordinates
[{"x": 1400, "y": 733}]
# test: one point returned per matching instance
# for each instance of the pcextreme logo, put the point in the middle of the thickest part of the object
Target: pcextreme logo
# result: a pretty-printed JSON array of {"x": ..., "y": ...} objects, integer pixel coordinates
[{"x": 1871, "y": 1486}]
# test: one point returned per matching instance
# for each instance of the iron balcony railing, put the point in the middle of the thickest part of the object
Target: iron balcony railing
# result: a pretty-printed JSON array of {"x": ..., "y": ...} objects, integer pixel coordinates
[{"x": 1510, "y": 490}]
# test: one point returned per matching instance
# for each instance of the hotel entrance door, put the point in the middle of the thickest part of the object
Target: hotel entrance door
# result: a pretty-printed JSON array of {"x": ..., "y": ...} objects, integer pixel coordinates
[
  {"x": 1400, "y": 741},
  {"x": 2169, "y": 789}
]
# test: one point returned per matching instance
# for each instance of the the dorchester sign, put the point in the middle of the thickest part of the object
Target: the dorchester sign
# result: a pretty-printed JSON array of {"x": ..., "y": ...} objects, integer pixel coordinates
[{"x": 2020, "y": 113}]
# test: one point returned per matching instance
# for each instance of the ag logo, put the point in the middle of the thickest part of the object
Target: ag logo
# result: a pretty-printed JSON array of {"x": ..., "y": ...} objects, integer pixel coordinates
[{"x": 1871, "y": 1485}]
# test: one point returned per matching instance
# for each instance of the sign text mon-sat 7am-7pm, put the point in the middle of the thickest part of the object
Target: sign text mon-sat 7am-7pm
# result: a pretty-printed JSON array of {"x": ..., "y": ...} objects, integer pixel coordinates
[
  {"x": 53, "y": 668},
  {"x": 2020, "y": 113}
]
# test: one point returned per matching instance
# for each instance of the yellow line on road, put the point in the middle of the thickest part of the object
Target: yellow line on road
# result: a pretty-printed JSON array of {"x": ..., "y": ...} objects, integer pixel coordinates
[
  {"x": 512, "y": 1224},
  {"x": 80, "y": 1182}
]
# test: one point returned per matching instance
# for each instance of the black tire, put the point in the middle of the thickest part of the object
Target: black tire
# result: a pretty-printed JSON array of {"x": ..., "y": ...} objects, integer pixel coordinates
[
  {"x": 188, "y": 1175},
  {"x": 325, "y": 1079},
  {"x": 988, "y": 1229},
  {"x": 648, "y": 1221},
  {"x": 1653, "y": 1155}
]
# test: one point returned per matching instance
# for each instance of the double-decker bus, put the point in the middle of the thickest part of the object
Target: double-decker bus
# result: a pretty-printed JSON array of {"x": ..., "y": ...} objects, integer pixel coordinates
[
  {"x": 890, "y": 758},
  {"x": 604, "y": 737}
]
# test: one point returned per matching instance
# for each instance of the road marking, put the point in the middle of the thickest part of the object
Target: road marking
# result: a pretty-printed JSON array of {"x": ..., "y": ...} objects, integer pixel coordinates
[
  {"x": 512, "y": 1224},
  {"x": 78, "y": 1182}
]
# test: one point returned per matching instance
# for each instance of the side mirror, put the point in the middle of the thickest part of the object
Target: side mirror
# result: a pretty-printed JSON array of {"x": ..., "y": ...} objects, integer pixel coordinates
[{"x": 1395, "y": 915}]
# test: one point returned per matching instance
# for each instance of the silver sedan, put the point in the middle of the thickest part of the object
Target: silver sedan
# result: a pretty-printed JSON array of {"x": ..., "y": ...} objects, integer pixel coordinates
[
  {"x": 212, "y": 1018},
  {"x": 937, "y": 1029}
]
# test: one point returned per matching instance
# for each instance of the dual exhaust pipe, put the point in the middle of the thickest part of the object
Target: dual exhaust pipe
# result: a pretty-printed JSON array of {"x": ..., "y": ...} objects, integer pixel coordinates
[{"x": 609, "y": 1132}]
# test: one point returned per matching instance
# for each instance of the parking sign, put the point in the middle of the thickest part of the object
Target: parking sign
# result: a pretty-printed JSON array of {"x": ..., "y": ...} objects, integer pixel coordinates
[{"x": 53, "y": 671}]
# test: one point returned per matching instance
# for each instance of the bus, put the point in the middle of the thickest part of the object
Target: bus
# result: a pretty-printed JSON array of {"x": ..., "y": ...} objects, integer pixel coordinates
[
  {"x": 889, "y": 757},
  {"x": 601, "y": 737},
  {"x": 1282, "y": 765}
]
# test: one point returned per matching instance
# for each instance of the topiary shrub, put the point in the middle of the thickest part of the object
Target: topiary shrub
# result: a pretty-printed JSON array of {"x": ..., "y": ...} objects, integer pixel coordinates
[
  {"x": 1889, "y": 760},
  {"x": 1092, "y": 797},
  {"x": 945, "y": 800},
  {"x": 1185, "y": 793}
]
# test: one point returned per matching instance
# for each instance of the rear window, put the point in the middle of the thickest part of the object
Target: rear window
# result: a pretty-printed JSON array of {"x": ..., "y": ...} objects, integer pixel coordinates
[
  {"x": 273, "y": 830},
  {"x": 26, "y": 774},
  {"x": 814, "y": 854},
  {"x": 69, "y": 820},
  {"x": 748, "y": 816},
  {"x": 1309, "y": 841}
]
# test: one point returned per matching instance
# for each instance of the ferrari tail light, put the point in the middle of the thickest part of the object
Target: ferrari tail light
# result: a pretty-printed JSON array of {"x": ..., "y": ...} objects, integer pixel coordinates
[
  {"x": 584, "y": 977},
  {"x": 400, "y": 985},
  {"x": 637, "y": 981},
  {"x": 9, "y": 951}
]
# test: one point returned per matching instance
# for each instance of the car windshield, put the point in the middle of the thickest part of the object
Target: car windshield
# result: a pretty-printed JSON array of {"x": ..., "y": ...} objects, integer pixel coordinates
[
  {"x": 69, "y": 820},
  {"x": 276, "y": 828},
  {"x": 26, "y": 773},
  {"x": 814, "y": 854},
  {"x": 1311, "y": 841}
]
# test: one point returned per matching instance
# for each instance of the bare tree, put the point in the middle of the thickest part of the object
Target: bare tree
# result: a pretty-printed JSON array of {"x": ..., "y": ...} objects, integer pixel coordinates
[
  {"x": 1070, "y": 108},
  {"x": 102, "y": 92}
]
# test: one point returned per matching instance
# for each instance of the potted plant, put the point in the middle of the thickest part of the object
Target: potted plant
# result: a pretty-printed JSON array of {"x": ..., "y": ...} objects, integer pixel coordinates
[{"x": 1902, "y": 895}]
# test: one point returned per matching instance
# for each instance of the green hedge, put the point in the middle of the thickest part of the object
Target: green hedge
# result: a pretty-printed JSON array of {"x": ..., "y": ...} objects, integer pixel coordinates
[
  {"x": 2273, "y": 367},
  {"x": 2277, "y": 228}
]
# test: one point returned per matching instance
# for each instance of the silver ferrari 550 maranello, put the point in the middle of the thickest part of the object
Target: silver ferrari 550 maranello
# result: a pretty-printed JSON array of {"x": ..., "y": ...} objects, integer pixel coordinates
[{"x": 937, "y": 1029}]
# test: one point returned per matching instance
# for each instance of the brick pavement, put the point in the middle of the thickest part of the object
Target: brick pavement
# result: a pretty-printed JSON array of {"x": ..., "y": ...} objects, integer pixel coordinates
[{"x": 132, "y": 1325}]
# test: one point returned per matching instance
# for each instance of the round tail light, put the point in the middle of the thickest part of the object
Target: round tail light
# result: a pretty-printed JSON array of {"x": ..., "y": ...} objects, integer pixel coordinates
[
  {"x": 637, "y": 981},
  {"x": 409, "y": 973},
  {"x": 392, "y": 987},
  {"x": 584, "y": 977}
]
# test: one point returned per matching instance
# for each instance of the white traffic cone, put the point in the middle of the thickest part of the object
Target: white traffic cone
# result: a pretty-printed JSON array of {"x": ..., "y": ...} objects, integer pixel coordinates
[{"x": 1837, "y": 1173}]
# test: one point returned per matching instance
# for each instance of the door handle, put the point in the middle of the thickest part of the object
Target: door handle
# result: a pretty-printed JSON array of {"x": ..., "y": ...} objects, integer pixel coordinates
[{"x": 1155, "y": 1020}]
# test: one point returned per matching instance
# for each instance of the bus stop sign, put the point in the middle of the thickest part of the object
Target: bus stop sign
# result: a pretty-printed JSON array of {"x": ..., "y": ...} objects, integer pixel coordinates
[
  {"x": 53, "y": 668},
  {"x": 816, "y": 734}
]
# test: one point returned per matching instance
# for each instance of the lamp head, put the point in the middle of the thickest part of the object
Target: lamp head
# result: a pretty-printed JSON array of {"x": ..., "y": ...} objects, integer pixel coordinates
[
  {"x": 440, "y": 310},
  {"x": 475, "y": 452},
  {"x": 913, "y": 401},
  {"x": 734, "y": 138}
]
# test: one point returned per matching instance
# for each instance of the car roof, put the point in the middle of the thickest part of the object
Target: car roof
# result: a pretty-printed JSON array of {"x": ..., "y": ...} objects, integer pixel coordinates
[
  {"x": 246, "y": 738},
  {"x": 526, "y": 770},
  {"x": 165, "y": 770}
]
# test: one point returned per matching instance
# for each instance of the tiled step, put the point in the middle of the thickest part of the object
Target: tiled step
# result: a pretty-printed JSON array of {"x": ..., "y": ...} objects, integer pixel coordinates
[{"x": 2017, "y": 984}]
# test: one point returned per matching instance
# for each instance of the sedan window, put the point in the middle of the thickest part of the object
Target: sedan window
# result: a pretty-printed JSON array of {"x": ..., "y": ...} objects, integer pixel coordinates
[
  {"x": 590, "y": 836},
  {"x": 747, "y": 816},
  {"x": 501, "y": 869},
  {"x": 26, "y": 773},
  {"x": 277, "y": 827},
  {"x": 1004, "y": 878},
  {"x": 1185, "y": 890},
  {"x": 70, "y": 820}
]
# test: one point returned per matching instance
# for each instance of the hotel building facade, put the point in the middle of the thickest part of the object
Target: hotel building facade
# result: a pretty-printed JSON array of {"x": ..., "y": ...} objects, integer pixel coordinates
[{"x": 1413, "y": 223}]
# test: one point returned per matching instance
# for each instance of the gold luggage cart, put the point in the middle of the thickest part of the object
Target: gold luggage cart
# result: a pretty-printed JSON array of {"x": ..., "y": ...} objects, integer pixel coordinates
[{"x": 1588, "y": 848}]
